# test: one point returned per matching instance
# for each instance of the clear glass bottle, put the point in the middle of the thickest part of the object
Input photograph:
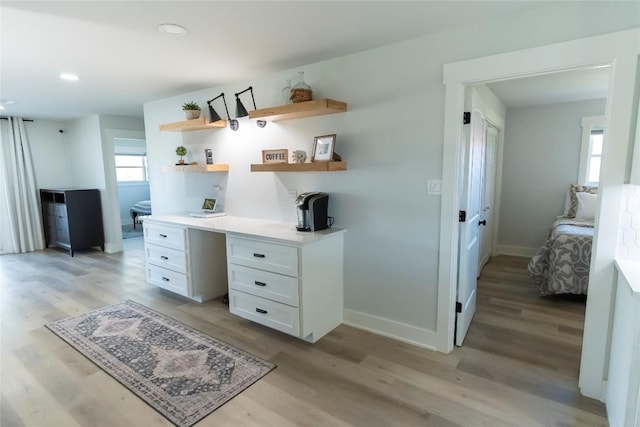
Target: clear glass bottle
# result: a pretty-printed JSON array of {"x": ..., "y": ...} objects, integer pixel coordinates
[
  {"x": 286, "y": 93},
  {"x": 301, "y": 92}
]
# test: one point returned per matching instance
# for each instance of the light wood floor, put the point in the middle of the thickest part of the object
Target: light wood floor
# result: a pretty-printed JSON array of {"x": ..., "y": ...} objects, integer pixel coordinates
[{"x": 519, "y": 364}]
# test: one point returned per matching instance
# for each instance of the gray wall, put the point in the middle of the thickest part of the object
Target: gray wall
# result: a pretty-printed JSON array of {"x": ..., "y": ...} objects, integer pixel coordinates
[
  {"x": 541, "y": 159},
  {"x": 392, "y": 138},
  {"x": 128, "y": 194}
]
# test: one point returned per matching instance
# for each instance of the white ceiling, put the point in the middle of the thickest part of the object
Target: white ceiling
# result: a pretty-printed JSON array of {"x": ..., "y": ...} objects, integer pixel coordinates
[
  {"x": 566, "y": 86},
  {"x": 124, "y": 61}
]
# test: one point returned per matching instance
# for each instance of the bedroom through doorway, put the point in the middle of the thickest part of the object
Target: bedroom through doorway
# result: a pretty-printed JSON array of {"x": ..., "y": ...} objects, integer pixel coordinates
[
  {"x": 537, "y": 159},
  {"x": 132, "y": 177}
]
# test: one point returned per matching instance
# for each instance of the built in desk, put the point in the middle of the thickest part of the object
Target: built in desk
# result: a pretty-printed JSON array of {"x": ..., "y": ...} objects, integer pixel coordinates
[{"x": 277, "y": 276}]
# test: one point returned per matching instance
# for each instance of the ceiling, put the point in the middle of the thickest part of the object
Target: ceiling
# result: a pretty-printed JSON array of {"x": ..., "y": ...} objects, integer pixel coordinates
[
  {"x": 124, "y": 61},
  {"x": 567, "y": 86}
]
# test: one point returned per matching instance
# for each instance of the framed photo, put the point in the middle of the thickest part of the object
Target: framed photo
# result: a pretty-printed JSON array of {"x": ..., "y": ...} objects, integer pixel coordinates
[
  {"x": 280, "y": 155},
  {"x": 209, "y": 204},
  {"x": 323, "y": 147}
]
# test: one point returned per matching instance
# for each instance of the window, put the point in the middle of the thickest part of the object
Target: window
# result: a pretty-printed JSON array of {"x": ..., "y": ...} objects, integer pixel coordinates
[
  {"x": 591, "y": 150},
  {"x": 131, "y": 168}
]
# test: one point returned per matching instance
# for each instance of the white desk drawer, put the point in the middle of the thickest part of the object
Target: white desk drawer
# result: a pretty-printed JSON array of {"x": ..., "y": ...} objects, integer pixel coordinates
[
  {"x": 261, "y": 283},
  {"x": 265, "y": 256},
  {"x": 269, "y": 313},
  {"x": 167, "y": 279},
  {"x": 168, "y": 258},
  {"x": 163, "y": 235}
]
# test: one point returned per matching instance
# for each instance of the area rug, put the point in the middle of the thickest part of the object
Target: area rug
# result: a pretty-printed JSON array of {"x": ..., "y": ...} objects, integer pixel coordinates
[
  {"x": 180, "y": 372},
  {"x": 128, "y": 232}
]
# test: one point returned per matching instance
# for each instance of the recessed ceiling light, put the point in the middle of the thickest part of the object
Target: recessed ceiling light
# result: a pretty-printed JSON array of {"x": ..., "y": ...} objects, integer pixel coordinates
[
  {"x": 69, "y": 76},
  {"x": 5, "y": 102},
  {"x": 172, "y": 29}
]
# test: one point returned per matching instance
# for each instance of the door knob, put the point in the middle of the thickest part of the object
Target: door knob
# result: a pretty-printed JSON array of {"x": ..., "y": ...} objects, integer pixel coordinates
[{"x": 483, "y": 222}]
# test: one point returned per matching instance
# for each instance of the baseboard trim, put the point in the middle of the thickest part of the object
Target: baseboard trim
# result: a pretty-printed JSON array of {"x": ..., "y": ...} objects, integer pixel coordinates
[
  {"x": 389, "y": 328},
  {"x": 516, "y": 250}
]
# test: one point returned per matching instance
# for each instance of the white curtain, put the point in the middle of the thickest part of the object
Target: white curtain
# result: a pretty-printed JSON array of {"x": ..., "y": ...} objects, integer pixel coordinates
[{"x": 20, "y": 215}]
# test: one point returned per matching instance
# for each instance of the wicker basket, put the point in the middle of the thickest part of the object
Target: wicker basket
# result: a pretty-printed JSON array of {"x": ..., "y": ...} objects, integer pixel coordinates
[{"x": 300, "y": 95}]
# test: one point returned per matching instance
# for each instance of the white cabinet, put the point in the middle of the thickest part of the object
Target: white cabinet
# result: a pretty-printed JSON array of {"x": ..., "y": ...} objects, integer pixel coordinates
[
  {"x": 623, "y": 385},
  {"x": 297, "y": 290},
  {"x": 188, "y": 262}
]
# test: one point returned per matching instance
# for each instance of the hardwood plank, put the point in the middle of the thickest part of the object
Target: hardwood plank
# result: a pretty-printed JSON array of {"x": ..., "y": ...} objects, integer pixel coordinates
[
  {"x": 518, "y": 366},
  {"x": 9, "y": 417}
]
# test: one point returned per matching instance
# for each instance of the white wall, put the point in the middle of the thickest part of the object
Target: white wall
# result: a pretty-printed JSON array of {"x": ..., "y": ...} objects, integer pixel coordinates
[
  {"x": 540, "y": 160},
  {"x": 112, "y": 127},
  {"x": 391, "y": 137},
  {"x": 90, "y": 153},
  {"x": 84, "y": 148},
  {"x": 49, "y": 153},
  {"x": 629, "y": 234}
]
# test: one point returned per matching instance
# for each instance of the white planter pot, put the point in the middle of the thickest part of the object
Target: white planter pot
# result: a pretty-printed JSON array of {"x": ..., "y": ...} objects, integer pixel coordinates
[{"x": 192, "y": 114}]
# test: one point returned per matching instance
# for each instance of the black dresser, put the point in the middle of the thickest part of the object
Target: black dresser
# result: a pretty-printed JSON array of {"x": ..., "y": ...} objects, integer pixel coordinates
[{"x": 72, "y": 218}]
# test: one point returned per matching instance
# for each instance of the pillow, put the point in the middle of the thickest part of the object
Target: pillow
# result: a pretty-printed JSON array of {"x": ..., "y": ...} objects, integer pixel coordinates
[
  {"x": 586, "y": 206},
  {"x": 567, "y": 203},
  {"x": 573, "y": 200}
]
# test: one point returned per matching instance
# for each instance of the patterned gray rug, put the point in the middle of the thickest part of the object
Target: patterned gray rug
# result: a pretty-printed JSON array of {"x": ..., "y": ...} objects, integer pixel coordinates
[
  {"x": 180, "y": 372},
  {"x": 128, "y": 232}
]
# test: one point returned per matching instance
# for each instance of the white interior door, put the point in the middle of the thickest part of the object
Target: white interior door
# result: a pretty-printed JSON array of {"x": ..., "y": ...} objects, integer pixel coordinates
[
  {"x": 469, "y": 233},
  {"x": 487, "y": 217}
]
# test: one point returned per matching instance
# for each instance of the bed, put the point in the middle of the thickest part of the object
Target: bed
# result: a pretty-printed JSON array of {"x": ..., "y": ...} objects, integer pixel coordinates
[
  {"x": 141, "y": 208},
  {"x": 561, "y": 265}
]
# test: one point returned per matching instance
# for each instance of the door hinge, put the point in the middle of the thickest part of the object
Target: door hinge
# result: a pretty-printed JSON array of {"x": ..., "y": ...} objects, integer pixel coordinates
[
  {"x": 466, "y": 118},
  {"x": 462, "y": 216},
  {"x": 458, "y": 307}
]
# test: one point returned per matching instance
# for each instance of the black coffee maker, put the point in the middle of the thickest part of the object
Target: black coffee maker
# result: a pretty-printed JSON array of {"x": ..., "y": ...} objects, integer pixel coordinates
[{"x": 312, "y": 211}]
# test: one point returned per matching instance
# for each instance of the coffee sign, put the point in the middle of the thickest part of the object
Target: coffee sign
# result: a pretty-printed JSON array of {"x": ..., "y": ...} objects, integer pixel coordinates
[{"x": 275, "y": 156}]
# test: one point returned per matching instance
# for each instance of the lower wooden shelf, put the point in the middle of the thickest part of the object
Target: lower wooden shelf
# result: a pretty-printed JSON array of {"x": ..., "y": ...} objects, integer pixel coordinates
[
  {"x": 300, "y": 167},
  {"x": 197, "y": 168}
]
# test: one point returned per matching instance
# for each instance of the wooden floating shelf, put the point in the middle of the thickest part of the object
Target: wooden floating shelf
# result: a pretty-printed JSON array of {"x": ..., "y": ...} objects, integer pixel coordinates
[
  {"x": 189, "y": 125},
  {"x": 300, "y": 167},
  {"x": 197, "y": 168},
  {"x": 299, "y": 110}
]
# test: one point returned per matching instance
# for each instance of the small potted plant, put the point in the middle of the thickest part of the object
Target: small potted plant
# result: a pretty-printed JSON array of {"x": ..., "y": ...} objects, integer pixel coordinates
[
  {"x": 191, "y": 110},
  {"x": 181, "y": 151}
]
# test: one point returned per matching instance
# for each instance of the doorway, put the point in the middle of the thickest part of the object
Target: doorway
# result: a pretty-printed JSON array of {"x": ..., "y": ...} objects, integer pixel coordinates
[
  {"x": 540, "y": 158},
  {"x": 618, "y": 48},
  {"x": 132, "y": 176}
]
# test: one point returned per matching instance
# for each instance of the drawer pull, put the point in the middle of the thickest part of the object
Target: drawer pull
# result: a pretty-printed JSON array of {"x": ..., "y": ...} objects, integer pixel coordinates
[
  {"x": 165, "y": 279},
  {"x": 164, "y": 257},
  {"x": 260, "y": 283},
  {"x": 259, "y": 310},
  {"x": 164, "y": 236},
  {"x": 258, "y": 255}
]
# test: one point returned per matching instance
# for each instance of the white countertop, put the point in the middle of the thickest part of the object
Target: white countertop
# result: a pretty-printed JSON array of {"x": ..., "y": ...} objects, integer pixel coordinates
[
  {"x": 247, "y": 227},
  {"x": 630, "y": 269}
]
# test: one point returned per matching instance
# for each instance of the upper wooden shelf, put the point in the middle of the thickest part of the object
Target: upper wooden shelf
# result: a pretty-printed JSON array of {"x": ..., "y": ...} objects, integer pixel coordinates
[
  {"x": 300, "y": 167},
  {"x": 189, "y": 125},
  {"x": 197, "y": 168},
  {"x": 299, "y": 110}
]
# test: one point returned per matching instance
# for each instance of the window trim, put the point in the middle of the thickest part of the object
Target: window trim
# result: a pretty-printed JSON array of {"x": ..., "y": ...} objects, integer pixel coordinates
[
  {"x": 144, "y": 167},
  {"x": 588, "y": 123}
]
